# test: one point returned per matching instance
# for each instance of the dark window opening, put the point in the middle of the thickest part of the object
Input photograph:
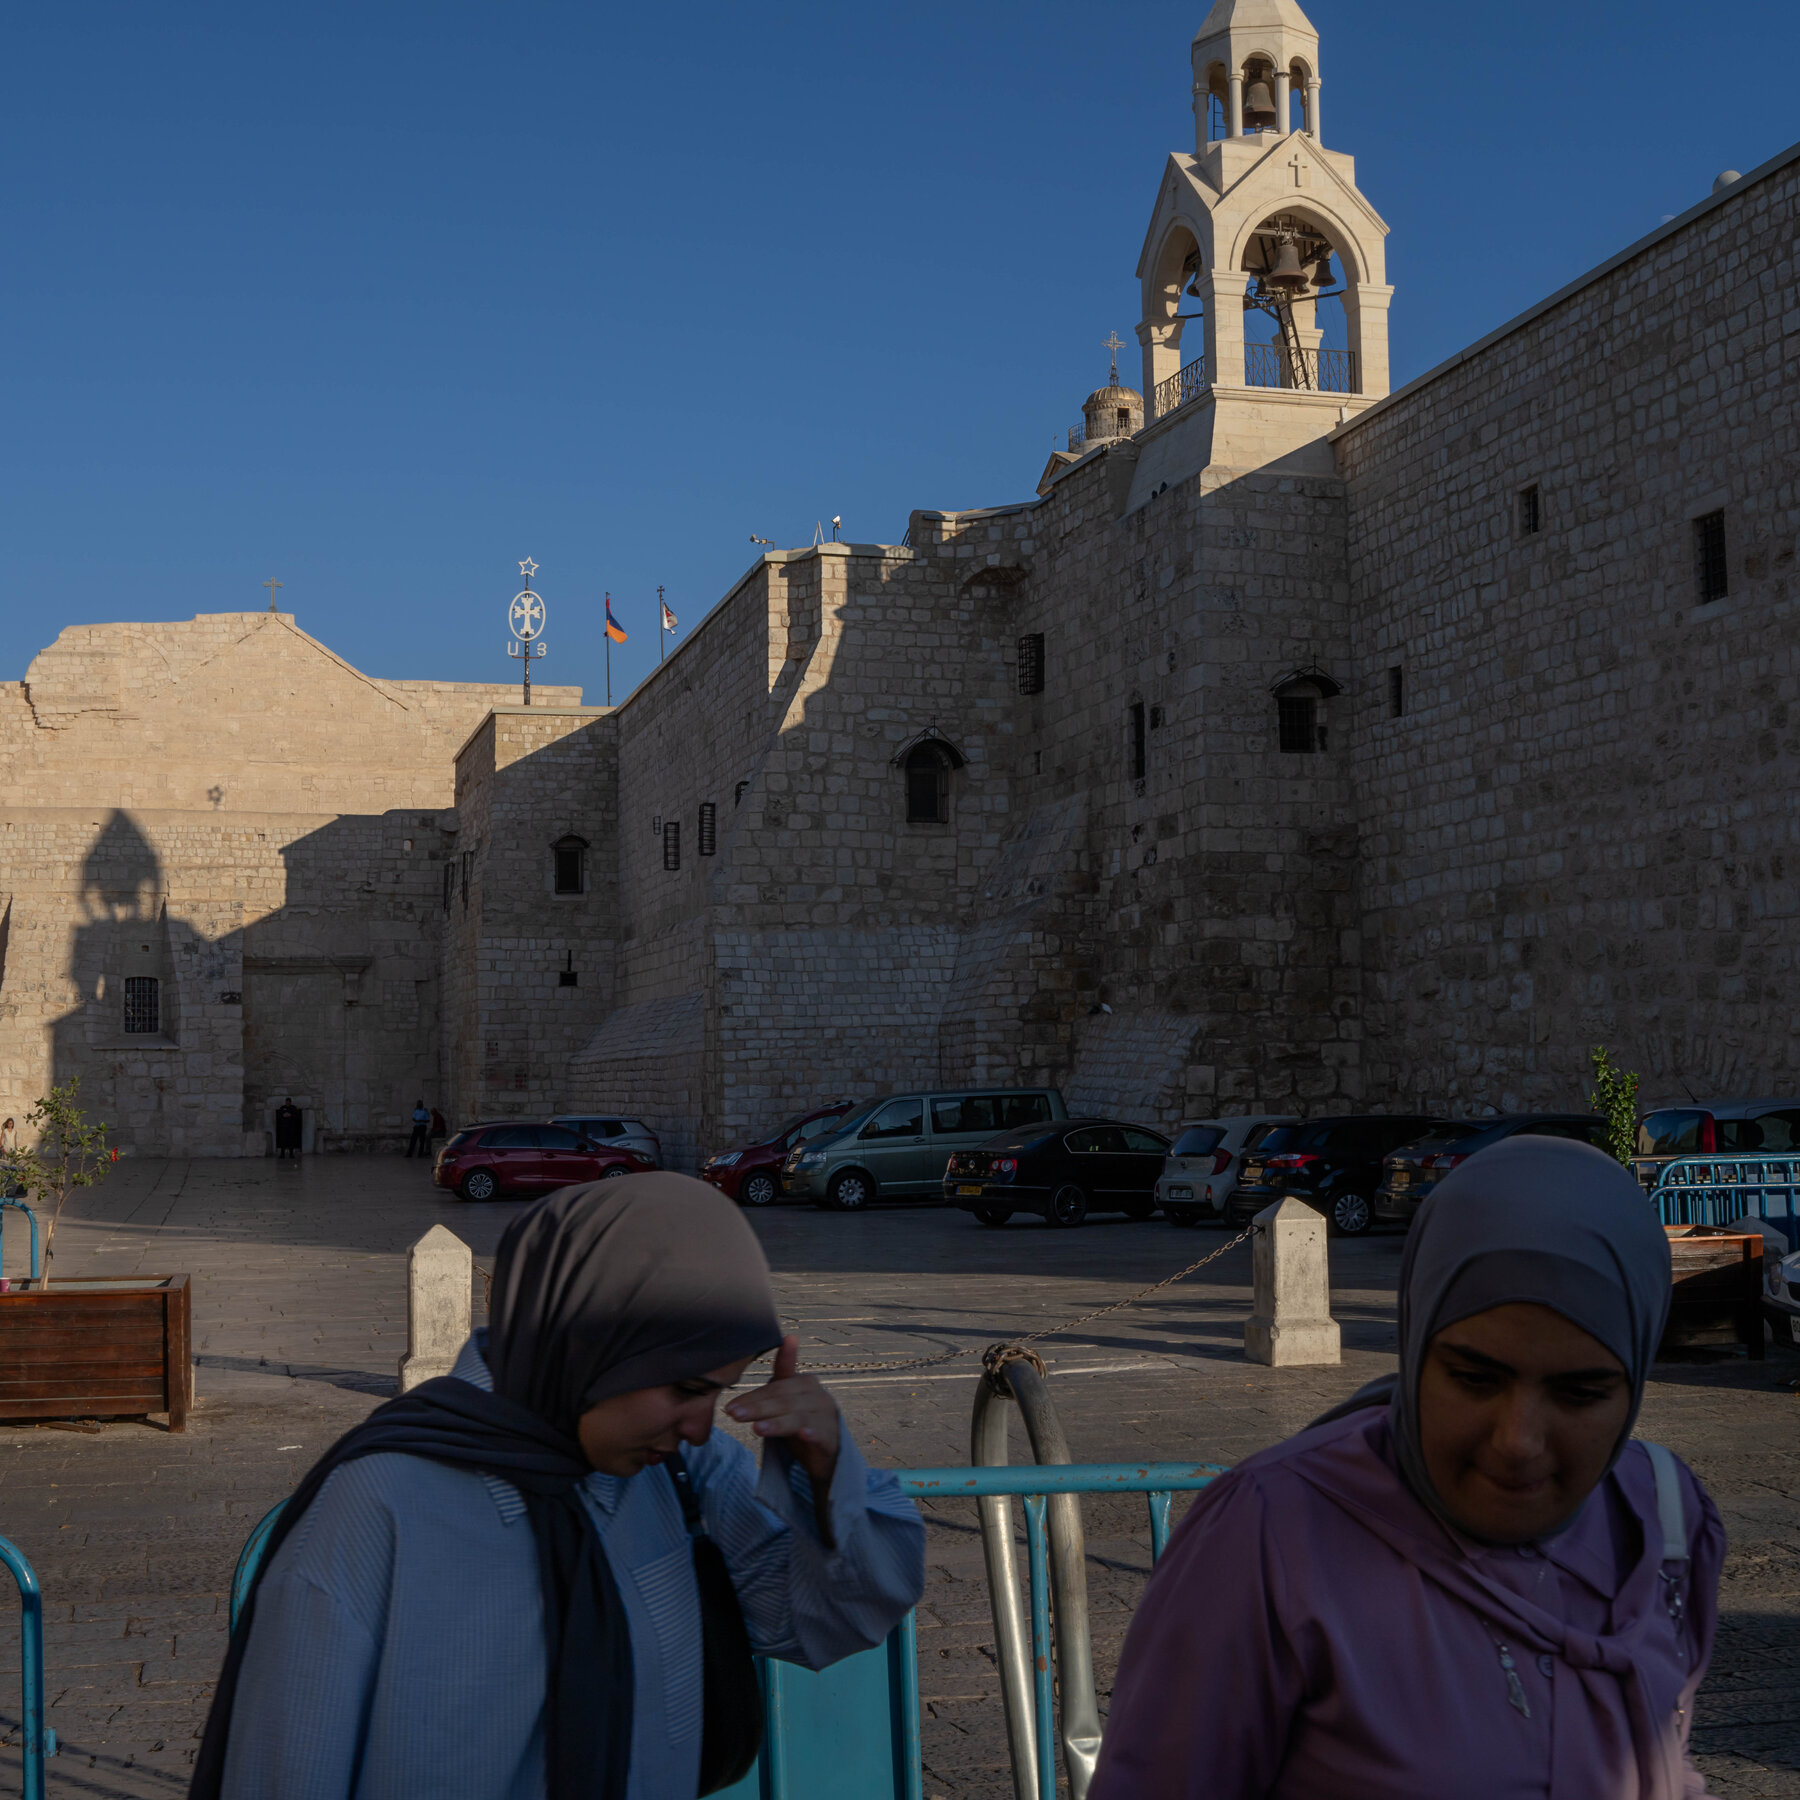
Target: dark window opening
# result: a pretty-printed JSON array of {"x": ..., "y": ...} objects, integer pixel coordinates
[
  {"x": 1140, "y": 752},
  {"x": 1396, "y": 692},
  {"x": 1298, "y": 716},
  {"x": 1031, "y": 663},
  {"x": 671, "y": 844},
  {"x": 568, "y": 978},
  {"x": 571, "y": 865},
  {"x": 449, "y": 884},
  {"x": 468, "y": 856},
  {"x": 927, "y": 786},
  {"x": 143, "y": 1003},
  {"x": 1709, "y": 556},
  {"x": 737, "y": 798},
  {"x": 1157, "y": 717},
  {"x": 1530, "y": 515},
  {"x": 1123, "y": 415},
  {"x": 709, "y": 828}
]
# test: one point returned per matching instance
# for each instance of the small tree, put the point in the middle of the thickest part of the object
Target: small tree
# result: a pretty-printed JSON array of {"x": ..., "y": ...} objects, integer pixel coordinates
[
  {"x": 1615, "y": 1099},
  {"x": 69, "y": 1153}
]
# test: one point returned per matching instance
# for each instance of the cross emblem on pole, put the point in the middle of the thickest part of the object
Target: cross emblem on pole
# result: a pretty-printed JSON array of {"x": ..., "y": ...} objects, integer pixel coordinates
[
  {"x": 1299, "y": 167},
  {"x": 271, "y": 584},
  {"x": 1115, "y": 344}
]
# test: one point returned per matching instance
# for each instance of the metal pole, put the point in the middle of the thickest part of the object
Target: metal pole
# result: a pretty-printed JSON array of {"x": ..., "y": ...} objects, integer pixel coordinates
[
  {"x": 609, "y": 664},
  {"x": 662, "y": 613},
  {"x": 38, "y": 1742},
  {"x": 987, "y": 1449}
]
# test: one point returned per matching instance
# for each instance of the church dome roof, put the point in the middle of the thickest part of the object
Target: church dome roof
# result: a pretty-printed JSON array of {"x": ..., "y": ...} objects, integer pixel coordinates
[
  {"x": 1254, "y": 15},
  {"x": 1113, "y": 396}
]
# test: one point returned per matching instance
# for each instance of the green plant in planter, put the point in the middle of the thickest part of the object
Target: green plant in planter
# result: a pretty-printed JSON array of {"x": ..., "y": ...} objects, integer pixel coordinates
[
  {"x": 70, "y": 1153},
  {"x": 1615, "y": 1099}
]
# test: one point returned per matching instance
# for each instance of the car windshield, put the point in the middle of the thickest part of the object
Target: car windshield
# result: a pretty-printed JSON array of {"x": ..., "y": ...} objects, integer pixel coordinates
[
  {"x": 1441, "y": 1135},
  {"x": 1675, "y": 1132},
  {"x": 1197, "y": 1140}
]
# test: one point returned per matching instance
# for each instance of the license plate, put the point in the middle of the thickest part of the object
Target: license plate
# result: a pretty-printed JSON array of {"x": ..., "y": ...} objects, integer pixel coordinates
[
  {"x": 1794, "y": 1327},
  {"x": 969, "y": 1190},
  {"x": 1181, "y": 1193},
  {"x": 1400, "y": 1179}
]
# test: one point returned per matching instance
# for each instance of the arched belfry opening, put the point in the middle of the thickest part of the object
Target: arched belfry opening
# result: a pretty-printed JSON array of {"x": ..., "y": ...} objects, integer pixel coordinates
[{"x": 1264, "y": 266}]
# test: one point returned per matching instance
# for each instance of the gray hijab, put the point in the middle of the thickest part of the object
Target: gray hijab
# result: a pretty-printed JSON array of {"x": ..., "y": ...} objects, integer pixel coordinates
[
  {"x": 624, "y": 1284},
  {"x": 1542, "y": 1220}
]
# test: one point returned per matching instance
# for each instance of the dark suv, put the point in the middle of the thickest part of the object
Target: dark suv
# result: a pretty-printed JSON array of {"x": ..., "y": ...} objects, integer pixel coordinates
[
  {"x": 1333, "y": 1164},
  {"x": 1412, "y": 1171}
]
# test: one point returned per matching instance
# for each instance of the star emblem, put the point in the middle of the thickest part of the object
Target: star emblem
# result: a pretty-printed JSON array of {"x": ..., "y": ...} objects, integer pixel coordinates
[{"x": 528, "y": 569}]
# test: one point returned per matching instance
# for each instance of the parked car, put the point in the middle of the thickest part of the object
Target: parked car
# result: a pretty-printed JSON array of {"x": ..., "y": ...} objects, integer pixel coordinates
[
  {"x": 750, "y": 1173},
  {"x": 1333, "y": 1164},
  {"x": 1202, "y": 1169},
  {"x": 1063, "y": 1174},
  {"x": 615, "y": 1133},
  {"x": 896, "y": 1147},
  {"x": 1715, "y": 1128},
  {"x": 527, "y": 1157},
  {"x": 1411, "y": 1172}
]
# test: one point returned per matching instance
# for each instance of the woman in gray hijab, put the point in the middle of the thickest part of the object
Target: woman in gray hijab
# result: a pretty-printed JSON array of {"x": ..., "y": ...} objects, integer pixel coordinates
[
  {"x": 1468, "y": 1580},
  {"x": 545, "y": 1573}
]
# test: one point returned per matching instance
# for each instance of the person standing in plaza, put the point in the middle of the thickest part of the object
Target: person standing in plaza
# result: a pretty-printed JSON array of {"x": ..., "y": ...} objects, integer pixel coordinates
[
  {"x": 10, "y": 1189},
  {"x": 419, "y": 1144},
  {"x": 612, "y": 1560},
  {"x": 1468, "y": 1579},
  {"x": 287, "y": 1131}
]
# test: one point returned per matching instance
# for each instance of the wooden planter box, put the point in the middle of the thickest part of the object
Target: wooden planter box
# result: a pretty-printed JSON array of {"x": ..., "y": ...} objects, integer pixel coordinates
[
  {"x": 1717, "y": 1298},
  {"x": 107, "y": 1347}
]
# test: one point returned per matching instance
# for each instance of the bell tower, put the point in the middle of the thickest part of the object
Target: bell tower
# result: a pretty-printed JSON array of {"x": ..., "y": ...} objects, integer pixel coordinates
[{"x": 1263, "y": 271}]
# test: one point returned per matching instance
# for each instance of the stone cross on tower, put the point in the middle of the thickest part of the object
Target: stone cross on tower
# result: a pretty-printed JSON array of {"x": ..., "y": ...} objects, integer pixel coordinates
[{"x": 1115, "y": 344}]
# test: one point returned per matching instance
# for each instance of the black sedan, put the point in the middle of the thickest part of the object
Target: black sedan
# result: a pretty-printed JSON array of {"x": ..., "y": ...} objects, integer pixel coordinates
[
  {"x": 1333, "y": 1164},
  {"x": 1062, "y": 1172},
  {"x": 1411, "y": 1172}
]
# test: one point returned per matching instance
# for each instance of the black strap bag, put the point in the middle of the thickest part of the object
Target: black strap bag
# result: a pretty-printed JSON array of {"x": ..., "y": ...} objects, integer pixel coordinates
[{"x": 733, "y": 1731}]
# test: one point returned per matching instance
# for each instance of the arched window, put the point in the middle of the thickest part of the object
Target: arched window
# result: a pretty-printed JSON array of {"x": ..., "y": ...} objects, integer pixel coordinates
[
  {"x": 570, "y": 856},
  {"x": 927, "y": 785},
  {"x": 1300, "y": 710}
]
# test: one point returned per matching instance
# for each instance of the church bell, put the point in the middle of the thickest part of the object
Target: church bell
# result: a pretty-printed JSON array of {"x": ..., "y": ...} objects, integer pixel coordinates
[
  {"x": 1321, "y": 273},
  {"x": 1259, "y": 104},
  {"x": 1287, "y": 273}
]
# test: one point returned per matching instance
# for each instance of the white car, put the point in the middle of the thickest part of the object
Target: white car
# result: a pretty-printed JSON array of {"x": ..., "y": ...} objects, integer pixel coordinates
[
  {"x": 1203, "y": 1164},
  {"x": 614, "y": 1133}
]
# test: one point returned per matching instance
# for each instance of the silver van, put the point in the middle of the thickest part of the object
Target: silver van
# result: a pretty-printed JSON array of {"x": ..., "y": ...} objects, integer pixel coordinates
[{"x": 895, "y": 1148}]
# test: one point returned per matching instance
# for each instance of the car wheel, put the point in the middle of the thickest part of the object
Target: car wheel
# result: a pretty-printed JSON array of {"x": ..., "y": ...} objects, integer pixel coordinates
[
  {"x": 1068, "y": 1206},
  {"x": 1182, "y": 1217},
  {"x": 479, "y": 1184},
  {"x": 1350, "y": 1215},
  {"x": 758, "y": 1190},
  {"x": 993, "y": 1215},
  {"x": 850, "y": 1191},
  {"x": 615, "y": 1172}
]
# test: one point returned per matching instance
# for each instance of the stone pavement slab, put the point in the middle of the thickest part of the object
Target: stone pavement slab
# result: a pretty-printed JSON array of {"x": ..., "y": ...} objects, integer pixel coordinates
[{"x": 300, "y": 1319}]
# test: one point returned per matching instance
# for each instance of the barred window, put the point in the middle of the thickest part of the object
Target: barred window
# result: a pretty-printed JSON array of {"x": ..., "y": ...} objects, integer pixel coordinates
[
  {"x": 1031, "y": 663},
  {"x": 709, "y": 828},
  {"x": 1396, "y": 692},
  {"x": 671, "y": 844},
  {"x": 1298, "y": 718},
  {"x": 143, "y": 1003},
  {"x": 1530, "y": 515},
  {"x": 1140, "y": 751},
  {"x": 1709, "y": 556}
]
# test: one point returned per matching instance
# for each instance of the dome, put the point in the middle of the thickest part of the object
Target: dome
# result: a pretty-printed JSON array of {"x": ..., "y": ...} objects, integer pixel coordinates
[{"x": 1112, "y": 412}]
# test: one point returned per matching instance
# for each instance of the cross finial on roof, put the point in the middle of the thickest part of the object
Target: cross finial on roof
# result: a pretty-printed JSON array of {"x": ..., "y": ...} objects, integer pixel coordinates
[{"x": 1115, "y": 344}]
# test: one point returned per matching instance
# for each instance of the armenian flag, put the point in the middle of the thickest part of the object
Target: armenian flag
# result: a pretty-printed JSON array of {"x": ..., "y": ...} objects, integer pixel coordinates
[{"x": 614, "y": 629}]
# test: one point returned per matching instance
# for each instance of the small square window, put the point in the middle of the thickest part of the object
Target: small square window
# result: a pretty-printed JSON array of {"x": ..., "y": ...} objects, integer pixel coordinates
[
  {"x": 1709, "y": 557},
  {"x": 143, "y": 1003},
  {"x": 567, "y": 978},
  {"x": 1531, "y": 517},
  {"x": 1298, "y": 718},
  {"x": 1396, "y": 692}
]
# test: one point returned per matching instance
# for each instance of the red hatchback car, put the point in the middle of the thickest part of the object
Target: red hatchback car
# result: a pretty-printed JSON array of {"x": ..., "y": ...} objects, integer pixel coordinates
[
  {"x": 519, "y": 1157},
  {"x": 750, "y": 1174}
]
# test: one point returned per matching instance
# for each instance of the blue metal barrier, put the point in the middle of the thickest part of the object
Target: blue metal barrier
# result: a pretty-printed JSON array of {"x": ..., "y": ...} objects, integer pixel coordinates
[
  {"x": 39, "y": 1742},
  {"x": 1714, "y": 1190},
  {"x": 8, "y": 1202},
  {"x": 851, "y": 1732}
]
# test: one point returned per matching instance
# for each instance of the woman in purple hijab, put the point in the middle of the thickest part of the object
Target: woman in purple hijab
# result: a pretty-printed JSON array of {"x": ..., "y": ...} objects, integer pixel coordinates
[{"x": 1468, "y": 1580}]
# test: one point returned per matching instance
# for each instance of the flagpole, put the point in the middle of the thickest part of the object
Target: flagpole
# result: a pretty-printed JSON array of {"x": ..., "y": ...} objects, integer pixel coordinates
[
  {"x": 662, "y": 631},
  {"x": 608, "y": 636}
]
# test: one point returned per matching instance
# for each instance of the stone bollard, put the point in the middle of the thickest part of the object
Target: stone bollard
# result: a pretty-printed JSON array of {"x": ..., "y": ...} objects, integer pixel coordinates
[
  {"x": 1291, "y": 1321},
  {"x": 439, "y": 1269}
]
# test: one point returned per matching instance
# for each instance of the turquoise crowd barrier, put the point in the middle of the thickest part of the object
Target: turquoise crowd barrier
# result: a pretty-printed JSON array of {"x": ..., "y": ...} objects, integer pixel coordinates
[
  {"x": 851, "y": 1732},
  {"x": 39, "y": 1742},
  {"x": 1714, "y": 1190}
]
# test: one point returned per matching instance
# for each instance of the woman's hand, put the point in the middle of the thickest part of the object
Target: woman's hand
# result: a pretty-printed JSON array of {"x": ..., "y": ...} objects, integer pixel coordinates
[{"x": 797, "y": 1408}]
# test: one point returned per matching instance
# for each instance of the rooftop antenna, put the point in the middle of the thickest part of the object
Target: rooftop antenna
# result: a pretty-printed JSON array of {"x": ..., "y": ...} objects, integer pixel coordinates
[{"x": 526, "y": 618}]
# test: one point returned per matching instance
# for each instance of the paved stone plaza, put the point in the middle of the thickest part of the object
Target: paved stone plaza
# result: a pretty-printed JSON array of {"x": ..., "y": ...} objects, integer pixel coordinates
[{"x": 300, "y": 1318}]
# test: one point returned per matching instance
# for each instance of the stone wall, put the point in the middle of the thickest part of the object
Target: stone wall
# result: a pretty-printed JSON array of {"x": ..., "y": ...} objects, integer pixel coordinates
[{"x": 1582, "y": 829}]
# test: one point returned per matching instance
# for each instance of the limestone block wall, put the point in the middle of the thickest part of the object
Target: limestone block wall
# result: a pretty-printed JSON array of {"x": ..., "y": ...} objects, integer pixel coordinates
[
  {"x": 1582, "y": 829},
  {"x": 528, "y": 778}
]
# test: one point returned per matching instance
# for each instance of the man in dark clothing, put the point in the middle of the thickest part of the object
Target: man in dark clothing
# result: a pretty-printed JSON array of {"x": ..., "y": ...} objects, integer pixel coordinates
[
  {"x": 420, "y": 1141},
  {"x": 287, "y": 1131}
]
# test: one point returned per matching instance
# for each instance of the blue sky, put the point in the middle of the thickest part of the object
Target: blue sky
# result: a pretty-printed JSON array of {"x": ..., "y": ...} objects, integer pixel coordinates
[{"x": 379, "y": 298}]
